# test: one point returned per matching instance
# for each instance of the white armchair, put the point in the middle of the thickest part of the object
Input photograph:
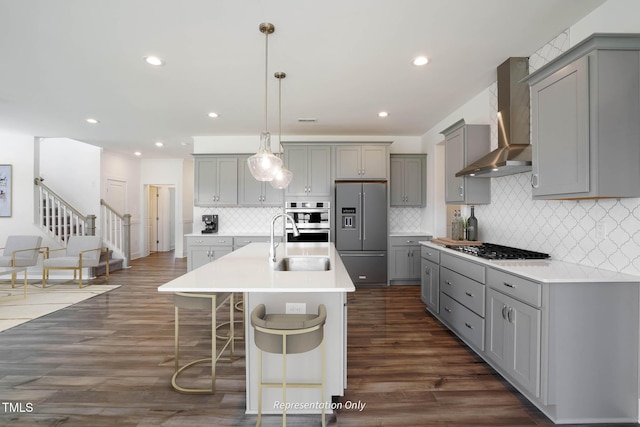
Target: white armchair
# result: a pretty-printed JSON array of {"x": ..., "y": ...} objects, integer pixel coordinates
[
  {"x": 20, "y": 251},
  {"x": 81, "y": 252}
]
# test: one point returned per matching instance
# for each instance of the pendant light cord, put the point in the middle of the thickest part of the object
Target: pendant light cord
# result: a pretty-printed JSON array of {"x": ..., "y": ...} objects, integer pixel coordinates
[{"x": 266, "y": 73}]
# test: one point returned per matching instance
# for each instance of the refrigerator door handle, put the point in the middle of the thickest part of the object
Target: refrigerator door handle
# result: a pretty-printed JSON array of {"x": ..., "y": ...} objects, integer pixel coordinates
[
  {"x": 364, "y": 215},
  {"x": 361, "y": 216}
]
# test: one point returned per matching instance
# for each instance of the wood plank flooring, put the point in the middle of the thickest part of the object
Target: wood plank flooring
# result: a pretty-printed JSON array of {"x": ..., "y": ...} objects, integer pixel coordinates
[{"x": 108, "y": 362}]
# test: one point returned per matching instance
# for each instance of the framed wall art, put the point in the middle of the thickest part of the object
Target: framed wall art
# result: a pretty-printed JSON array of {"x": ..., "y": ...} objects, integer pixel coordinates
[{"x": 5, "y": 190}]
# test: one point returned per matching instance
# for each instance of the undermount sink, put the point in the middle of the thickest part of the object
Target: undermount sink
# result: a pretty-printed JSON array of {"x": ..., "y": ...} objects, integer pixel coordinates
[{"x": 302, "y": 263}]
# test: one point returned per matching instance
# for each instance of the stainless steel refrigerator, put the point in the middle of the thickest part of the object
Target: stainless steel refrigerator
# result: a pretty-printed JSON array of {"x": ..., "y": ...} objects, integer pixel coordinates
[{"x": 361, "y": 230}]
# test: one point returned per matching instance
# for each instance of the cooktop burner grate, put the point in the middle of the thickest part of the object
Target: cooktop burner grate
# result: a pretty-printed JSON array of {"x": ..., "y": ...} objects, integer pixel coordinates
[{"x": 497, "y": 252}]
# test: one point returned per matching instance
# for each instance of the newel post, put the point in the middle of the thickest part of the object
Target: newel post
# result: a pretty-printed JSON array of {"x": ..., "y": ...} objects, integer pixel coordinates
[
  {"x": 91, "y": 225},
  {"x": 126, "y": 222}
]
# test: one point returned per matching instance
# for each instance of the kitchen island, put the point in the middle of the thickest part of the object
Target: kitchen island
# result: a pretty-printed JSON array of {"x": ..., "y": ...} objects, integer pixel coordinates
[
  {"x": 249, "y": 271},
  {"x": 565, "y": 335}
]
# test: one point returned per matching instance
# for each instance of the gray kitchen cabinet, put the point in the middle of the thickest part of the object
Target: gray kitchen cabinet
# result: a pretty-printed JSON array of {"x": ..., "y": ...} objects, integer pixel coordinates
[
  {"x": 216, "y": 180},
  {"x": 404, "y": 257},
  {"x": 430, "y": 278},
  {"x": 407, "y": 180},
  {"x": 585, "y": 127},
  {"x": 252, "y": 192},
  {"x": 361, "y": 161},
  {"x": 311, "y": 168},
  {"x": 204, "y": 249},
  {"x": 513, "y": 339},
  {"x": 463, "y": 145}
]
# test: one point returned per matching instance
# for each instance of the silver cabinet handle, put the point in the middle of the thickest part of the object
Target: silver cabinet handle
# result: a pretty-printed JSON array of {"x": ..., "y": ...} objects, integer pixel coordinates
[
  {"x": 448, "y": 283},
  {"x": 447, "y": 309},
  {"x": 509, "y": 313},
  {"x": 504, "y": 312},
  {"x": 468, "y": 325},
  {"x": 469, "y": 294},
  {"x": 461, "y": 191},
  {"x": 534, "y": 180},
  {"x": 509, "y": 285},
  {"x": 427, "y": 271}
]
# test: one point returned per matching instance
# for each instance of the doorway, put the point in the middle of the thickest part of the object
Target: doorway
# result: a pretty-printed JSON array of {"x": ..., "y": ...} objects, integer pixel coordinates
[{"x": 160, "y": 218}]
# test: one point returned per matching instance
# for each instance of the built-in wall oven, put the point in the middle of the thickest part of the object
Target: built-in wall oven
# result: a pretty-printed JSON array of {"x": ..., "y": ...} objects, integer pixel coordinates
[{"x": 313, "y": 220}]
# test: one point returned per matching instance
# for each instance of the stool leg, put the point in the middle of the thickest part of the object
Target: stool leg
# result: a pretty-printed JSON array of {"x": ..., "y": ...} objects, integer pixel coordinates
[
  {"x": 214, "y": 353},
  {"x": 259, "y": 387},
  {"x": 176, "y": 339},
  {"x": 284, "y": 379},
  {"x": 322, "y": 382},
  {"x": 232, "y": 329}
]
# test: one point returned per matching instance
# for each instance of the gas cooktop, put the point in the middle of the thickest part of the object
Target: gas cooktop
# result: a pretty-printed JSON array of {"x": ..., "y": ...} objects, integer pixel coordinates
[{"x": 497, "y": 252}]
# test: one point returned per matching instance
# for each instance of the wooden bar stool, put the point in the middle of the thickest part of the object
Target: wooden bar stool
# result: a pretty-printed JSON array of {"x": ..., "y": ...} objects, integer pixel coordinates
[
  {"x": 203, "y": 301},
  {"x": 288, "y": 334}
]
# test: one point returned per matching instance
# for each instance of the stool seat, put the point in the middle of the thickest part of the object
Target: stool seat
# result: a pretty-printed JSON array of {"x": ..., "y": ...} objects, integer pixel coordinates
[
  {"x": 288, "y": 334},
  {"x": 203, "y": 301}
]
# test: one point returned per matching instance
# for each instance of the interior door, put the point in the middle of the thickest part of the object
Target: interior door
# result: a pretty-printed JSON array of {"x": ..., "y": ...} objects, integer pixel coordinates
[{"x": 153, "y": 219}]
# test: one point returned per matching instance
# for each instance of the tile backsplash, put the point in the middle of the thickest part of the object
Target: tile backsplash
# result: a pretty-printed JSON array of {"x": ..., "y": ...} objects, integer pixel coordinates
[
  {"x": 602, "y": 233},
  {"x": 235, "y": 220}
]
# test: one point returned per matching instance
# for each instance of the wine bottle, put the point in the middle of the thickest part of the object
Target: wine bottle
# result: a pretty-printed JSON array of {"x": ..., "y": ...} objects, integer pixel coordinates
[{"x": 472, "y": 226}]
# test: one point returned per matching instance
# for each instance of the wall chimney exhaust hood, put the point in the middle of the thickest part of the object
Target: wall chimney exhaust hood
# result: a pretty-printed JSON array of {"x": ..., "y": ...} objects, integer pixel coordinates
[{"x": 513, "y": 154}]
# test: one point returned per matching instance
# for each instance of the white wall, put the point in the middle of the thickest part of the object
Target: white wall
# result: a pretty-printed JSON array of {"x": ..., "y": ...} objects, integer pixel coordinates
[
  {"x": 18, "y": 151},
  {"x": 75, "y": 178}
]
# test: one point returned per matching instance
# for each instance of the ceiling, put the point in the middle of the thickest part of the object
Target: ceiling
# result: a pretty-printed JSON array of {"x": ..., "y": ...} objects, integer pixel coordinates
[{"x": 64, "y": 61}]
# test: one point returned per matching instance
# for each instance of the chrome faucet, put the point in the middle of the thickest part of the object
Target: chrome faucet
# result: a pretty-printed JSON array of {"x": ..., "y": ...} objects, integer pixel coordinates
[{"x": 272, "y": 249}]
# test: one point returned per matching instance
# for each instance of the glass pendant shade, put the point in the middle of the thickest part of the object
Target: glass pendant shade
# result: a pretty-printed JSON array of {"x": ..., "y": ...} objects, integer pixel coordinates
[
  {"x": 264, "y": 164},
  {"x": 282, "y": 178}
]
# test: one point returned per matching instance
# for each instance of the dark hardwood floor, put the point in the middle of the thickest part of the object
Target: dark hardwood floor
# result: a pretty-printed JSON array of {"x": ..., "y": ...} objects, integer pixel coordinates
[{"x": 108, "y": 361}]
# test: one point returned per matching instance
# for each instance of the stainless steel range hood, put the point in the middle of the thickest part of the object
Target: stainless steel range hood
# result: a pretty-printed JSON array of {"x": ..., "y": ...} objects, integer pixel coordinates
[{"x": 513, "y": 154}]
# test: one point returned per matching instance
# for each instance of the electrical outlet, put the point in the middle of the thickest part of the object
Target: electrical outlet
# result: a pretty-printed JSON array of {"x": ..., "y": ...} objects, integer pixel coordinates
[
  {"x": 296, "y": 308},
  {"x": 601, "y": 230}
]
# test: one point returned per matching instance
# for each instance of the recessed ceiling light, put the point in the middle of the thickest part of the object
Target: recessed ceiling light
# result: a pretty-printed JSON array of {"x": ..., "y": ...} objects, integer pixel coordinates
[
  {"x": 154, "y": 60},
  {"x": 383, "y": 114},
  {"x": 213, "y": 115},
  {"x": 92, "y": 121},
  {"x": 159, "y": 144},
  {"x": 137, "y": 153},
  {"x": 420, "y": 60}
]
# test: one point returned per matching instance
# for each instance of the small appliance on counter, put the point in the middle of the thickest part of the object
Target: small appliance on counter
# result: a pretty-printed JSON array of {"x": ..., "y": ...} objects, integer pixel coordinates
[{"x": 210, "y": 224}]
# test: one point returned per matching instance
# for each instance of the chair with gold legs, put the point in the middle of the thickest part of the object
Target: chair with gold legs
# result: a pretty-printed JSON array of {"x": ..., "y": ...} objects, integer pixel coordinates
[
  {"x": 203, "y": 301},
  {"x": 288, "y": 334}
]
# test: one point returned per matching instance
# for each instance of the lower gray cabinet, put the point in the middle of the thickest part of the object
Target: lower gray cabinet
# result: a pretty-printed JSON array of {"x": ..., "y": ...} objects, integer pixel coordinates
[
  {"x": 404, "y": 257},
  {"x": 430, "y": 285},
  {"x": 513, "y": 339},
  {"x": 204, "y": 249}
]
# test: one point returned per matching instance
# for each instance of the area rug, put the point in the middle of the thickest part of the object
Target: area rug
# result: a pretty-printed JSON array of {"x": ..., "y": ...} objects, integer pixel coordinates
[{"x": 15, "y": 310}]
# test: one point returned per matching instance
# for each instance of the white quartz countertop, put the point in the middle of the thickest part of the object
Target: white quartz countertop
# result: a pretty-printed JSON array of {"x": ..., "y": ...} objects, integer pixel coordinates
[
  {"x": 249, "y": 270},
  {"x": 546, "y": 271}
]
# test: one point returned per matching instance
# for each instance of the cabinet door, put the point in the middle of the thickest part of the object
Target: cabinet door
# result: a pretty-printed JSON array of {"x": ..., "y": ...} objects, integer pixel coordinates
[
  {"x": 374, "y": 162},
  {"x": 413, "y": 182},
  {"x": 250, "y": 190},
  {"x": 319, "y": 171},
  {"x": 397, "y": 185},
  {"x": 220, "y": 252},
  {"x": 525, "y": 362},
  {"x": 430, "y": 283},
  {"x": 497, "y": 346},
  {"x": 198, "y": 256},
  {"x": 414, "y": 263},
  {"x": 348, "y": 162},
  {"x": 454, "y": 161},
  {"x": 227, "y": 181},
  {"x": 272, "y": 196},
  {"x": 400, "y": 262},
  {"x": 205, "y": 181},
  {"x": 296, "y": 161},
  {"x": 560, "y": 117}
]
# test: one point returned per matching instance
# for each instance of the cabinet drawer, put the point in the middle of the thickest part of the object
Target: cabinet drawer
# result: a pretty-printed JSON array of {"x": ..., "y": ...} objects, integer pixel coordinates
[
  {"x": 431, "y": 254},
  {"x": 209, "y": 241},
  {"x": 464, "y": 290},
  {"x": 239, "y": 242},
  {"x": 524, "y": 290},
  {"x": 466, "y": 268},
  {"x": 464, "y": 322},
  {"x": 407, "y": 240}
]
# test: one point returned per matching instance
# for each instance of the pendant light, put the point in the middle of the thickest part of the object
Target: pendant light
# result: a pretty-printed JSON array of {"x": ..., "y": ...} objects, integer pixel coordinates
[
  {"x": 264, "y": 164},
  {"x": 283, "y": 176}
]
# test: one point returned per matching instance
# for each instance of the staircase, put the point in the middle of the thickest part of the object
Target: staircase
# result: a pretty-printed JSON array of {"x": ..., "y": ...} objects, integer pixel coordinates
[{"x": 59, "y": 220}]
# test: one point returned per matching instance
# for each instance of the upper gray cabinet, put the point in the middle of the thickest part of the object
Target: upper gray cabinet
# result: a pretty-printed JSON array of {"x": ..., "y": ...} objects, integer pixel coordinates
[
  {"x": 311, "y": 168},
  {"x": 216, "y": 180},
  {"x": 252, "y": 192},
  {"x": 361, "y": 161},
  {"x": 586, "y": 121},
  {"x": 408, "y": 180},
  {"x": 463, "y": 145}
]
